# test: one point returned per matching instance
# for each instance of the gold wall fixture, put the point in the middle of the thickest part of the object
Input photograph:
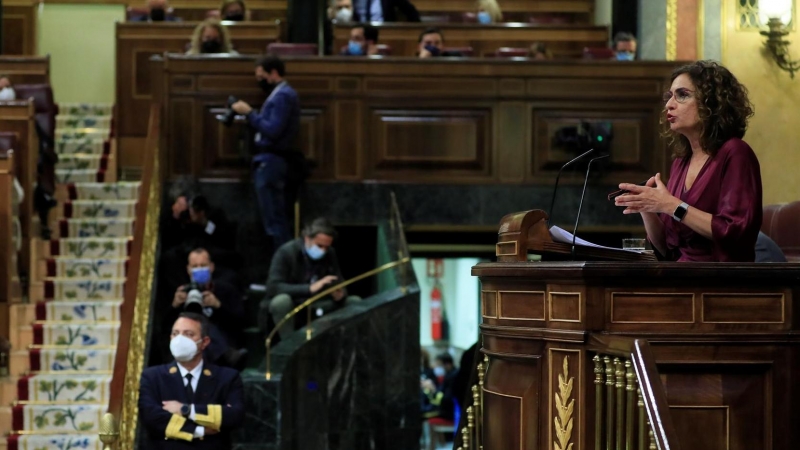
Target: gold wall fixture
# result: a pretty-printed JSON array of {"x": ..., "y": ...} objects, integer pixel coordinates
[
  {"x": 108, "y": 431},
  {"x": 775, "y": 13}
]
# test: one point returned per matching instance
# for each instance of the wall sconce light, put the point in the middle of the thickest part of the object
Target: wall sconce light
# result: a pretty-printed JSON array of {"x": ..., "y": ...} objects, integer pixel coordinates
[{"x": 777, "y": 14}]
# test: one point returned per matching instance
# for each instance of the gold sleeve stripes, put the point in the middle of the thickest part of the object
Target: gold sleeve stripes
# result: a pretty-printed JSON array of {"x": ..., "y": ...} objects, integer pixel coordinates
[
  {"x": 211, "y": 419},
  {"x": 176, "y": 423}
]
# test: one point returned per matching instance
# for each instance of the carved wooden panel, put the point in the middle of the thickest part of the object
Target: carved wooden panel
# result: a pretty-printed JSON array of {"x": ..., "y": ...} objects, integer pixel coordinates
[
  {"x": 522, "y": 305},
  {"x": 489, "y": 304},
  {"x": 458, "y": 121},
  {"x": 512, "y": 391},
  {"x": 136, "y": 42},
  {"x": 19, "y": 29},
  {"x": 634, "y": 138},
  {"x": 564, "y": 307},
  {"x": 432, "y": 144},
  {"x": 27, "y": 69},
  {"x": 720, "y": 406},
  {"x": 744, "y": 308},
  {"x": 316, "y": 127},
  {"x": 181, "y": 113},
  {"x": 225, "y": 147},
  {"x": 652, "y": 307}
]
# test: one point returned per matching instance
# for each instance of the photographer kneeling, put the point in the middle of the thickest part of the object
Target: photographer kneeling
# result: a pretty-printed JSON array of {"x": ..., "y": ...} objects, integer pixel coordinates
[{"x": 219, "y": 301}]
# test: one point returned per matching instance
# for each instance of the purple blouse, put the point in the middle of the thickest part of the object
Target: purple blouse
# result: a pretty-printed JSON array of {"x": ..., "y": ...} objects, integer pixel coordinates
[{"x": 729, "y": 188}]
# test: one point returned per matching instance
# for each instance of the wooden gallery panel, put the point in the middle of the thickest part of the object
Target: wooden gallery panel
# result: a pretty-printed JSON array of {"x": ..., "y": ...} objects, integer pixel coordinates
[
  {"x": 434, "y": 143},
  {"x": 137, "y": 42},
  {"x": 19, "y": 27}
]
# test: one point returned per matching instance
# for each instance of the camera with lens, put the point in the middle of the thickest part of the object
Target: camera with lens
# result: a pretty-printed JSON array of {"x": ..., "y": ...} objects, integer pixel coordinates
[
  {"x": 194, "y": 298},
  {"x": 229, "y": 115}
]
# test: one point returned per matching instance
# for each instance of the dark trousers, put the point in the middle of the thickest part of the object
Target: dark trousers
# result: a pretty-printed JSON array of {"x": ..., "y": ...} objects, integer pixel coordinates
[{"x": 270, "y": 182}]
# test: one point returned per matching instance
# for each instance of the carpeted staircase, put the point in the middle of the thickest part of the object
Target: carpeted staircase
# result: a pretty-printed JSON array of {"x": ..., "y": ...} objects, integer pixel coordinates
[{"x": 68, "y": 332}]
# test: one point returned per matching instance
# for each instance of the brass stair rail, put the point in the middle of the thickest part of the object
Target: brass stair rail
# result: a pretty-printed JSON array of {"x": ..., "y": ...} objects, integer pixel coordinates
[{"x": 321, "y": 295}]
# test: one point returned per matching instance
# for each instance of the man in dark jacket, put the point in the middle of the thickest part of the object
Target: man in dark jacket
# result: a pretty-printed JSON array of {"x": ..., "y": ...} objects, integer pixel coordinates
[
  {"x": 190, "y": 403},
  {"x": 300, "y": 269},
  {"x": 276, "y": 126},
  {"x": 221, "y": 304}
]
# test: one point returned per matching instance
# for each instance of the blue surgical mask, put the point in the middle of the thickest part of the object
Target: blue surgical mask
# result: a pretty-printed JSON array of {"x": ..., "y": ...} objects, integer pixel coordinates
[
  {"x": 625, "y": 56},
  {"x": 201, "y": 275},
  {"x": 439, "y": 371},
  {"x": 435, "y": 51},
  {"x": 315, "y": 252},
  {"x": 484, "y": 17},
  {"x": 355, "y": 48}
]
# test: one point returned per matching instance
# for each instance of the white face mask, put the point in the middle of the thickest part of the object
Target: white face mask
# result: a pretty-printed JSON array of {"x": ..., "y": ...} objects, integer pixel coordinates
[
  {"x": 7, "y": 93},
  {"x": 344, "y": 15},
  {"x": 183, "y": 349}
]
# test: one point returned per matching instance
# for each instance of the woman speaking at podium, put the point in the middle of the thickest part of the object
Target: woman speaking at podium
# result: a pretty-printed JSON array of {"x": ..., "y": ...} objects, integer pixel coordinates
[{"x": 710, "y": 210}]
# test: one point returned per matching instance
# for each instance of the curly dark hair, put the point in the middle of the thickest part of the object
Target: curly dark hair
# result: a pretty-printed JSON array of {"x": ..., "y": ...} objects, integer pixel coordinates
[{"x": 722, "y": 103}]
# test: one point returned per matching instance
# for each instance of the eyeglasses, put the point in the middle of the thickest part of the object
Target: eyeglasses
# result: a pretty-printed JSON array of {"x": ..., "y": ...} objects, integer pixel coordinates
[{"x": 681, "y": 95}]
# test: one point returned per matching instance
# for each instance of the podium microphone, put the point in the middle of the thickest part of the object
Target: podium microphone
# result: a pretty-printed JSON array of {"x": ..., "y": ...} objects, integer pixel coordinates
[
  {"x": 583, "y": 194},
  {"x": 555, "y": 187}
]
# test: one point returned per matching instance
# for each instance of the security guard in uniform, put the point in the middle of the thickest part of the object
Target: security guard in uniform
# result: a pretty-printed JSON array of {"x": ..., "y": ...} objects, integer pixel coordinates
[{"x": 190, "y": 404}]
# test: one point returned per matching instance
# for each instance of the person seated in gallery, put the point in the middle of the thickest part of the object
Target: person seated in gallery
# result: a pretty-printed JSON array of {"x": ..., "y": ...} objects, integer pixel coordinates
[
  {"x": 489, "y": 12},
  {"x": 299, "y": 270},
  {"x": 363, "y": 41},
  {"x": 234, "y": 10},
  {"x": 157, "y": 12},
  {"x": 6, "y": 89},
  {"x": 710, "y": 210},
  {"x": 539, "y": 51},
  {"x": 211, "y": 37},
  {"x": 439, "y": 391},
  {"x": 625, "y": 46},
  {"x": 431, "y": 44}
]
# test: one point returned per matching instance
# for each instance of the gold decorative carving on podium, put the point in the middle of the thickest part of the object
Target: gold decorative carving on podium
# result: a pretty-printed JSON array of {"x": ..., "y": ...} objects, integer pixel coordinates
[{"x": 565, "y": 406}]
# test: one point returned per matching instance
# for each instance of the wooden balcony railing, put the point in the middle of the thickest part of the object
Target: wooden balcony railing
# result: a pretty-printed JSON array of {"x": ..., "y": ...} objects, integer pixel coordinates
[{"x": 129, "y": 360}]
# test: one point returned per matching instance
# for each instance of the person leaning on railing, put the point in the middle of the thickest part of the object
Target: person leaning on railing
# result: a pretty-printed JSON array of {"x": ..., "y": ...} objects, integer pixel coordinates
[
  {"x": 190, "y": 403},
  {"x": 300, "y": 269}
]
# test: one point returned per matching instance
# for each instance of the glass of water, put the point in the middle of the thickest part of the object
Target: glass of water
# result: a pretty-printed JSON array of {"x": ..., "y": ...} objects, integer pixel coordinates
[{"x": 634, "y": 244}]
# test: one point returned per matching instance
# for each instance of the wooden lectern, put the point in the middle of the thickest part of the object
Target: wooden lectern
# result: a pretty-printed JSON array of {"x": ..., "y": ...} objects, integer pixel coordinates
[
  {"x": 527, "y": 232},
  {"x": 723, "y": 336}
]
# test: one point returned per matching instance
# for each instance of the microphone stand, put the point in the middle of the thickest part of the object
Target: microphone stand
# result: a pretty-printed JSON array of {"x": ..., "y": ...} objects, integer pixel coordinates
[
  {"x": 580, "y": 205},
  {"x": 555, "y": 187}
]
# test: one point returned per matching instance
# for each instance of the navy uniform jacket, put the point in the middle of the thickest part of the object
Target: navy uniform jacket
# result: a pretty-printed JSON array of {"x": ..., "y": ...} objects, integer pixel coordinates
[{"x": 218, "y": 405}]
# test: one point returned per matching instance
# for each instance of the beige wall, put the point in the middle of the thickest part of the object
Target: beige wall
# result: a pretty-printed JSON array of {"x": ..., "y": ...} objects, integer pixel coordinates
[
  {"x": 774, "y": 131},
  {"x": 81, "y": 43}
]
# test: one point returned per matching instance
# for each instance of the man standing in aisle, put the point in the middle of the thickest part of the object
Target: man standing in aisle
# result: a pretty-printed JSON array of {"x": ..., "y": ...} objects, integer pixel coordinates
[
  {"x": 190, "y": 403},
  {"x": 276, "y": 126}
]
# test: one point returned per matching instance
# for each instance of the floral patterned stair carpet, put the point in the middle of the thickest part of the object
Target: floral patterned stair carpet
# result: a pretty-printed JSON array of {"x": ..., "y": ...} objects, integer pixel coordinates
[{"x": 61, "y": 399}]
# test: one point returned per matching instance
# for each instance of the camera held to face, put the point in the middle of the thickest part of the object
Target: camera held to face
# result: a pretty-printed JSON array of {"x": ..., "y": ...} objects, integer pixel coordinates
[{"x": 229, "y": 115}]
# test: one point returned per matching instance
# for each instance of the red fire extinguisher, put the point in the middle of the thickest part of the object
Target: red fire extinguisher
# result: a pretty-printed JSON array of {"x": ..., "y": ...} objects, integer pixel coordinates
[
  {"x": 435, "y": 272},
  {"x": 436, "y": 313}
]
